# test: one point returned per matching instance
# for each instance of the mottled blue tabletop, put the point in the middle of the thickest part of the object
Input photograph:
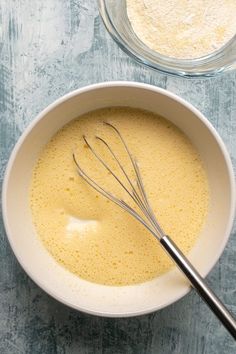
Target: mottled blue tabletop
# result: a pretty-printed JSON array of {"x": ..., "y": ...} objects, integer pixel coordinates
[{"x": 48, "y": 48}]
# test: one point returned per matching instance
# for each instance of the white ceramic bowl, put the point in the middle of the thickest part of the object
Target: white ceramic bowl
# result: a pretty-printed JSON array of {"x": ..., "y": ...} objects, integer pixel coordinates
[{"x": 70, "y": 289}]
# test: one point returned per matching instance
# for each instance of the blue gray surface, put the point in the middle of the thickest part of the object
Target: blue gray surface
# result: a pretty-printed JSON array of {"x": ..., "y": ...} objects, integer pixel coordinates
[{"x": 48, "y": 48}]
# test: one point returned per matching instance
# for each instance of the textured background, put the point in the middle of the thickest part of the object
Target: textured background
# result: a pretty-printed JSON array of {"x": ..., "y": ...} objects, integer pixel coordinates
[{"x": 48, "y": 48}]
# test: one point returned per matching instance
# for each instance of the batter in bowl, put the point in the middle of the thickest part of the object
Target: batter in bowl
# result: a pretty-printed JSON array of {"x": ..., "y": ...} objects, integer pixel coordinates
[{"x": 92, "y": 237}]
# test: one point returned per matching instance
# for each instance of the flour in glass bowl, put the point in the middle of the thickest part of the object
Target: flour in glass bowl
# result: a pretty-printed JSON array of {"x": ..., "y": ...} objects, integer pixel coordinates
[{"x": 183, "y": 29}]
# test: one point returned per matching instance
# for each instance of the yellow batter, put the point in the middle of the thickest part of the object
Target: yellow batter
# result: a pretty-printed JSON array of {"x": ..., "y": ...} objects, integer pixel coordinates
[{"x": 91, "y": 236}]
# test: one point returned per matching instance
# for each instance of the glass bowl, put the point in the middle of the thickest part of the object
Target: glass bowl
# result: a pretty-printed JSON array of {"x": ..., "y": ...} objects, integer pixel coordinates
[{"x": 114, "y": 15}]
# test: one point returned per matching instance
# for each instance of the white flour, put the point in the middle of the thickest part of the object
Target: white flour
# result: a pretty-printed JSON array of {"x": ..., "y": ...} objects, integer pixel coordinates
[{"x": 183, "y": 28}]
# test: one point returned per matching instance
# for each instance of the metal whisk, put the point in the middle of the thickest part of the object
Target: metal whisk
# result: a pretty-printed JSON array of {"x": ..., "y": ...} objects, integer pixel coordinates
[{"x": 146, "y": 216}]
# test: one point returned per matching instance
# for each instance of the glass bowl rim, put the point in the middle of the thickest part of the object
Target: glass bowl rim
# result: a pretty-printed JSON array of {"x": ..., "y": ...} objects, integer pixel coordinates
[{"x": 189, "y": 68}]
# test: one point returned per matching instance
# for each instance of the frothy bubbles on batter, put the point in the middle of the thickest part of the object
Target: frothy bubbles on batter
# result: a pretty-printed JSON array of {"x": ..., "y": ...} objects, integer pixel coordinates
[{"x": 91, "y": 236}]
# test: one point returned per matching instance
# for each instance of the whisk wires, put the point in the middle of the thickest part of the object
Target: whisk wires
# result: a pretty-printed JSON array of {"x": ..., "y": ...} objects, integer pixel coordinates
[{"x": 135, "y": 190}]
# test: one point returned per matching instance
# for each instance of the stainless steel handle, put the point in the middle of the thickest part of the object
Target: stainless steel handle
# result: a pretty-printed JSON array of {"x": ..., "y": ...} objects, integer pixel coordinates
[{"x": 199, "y": 284}]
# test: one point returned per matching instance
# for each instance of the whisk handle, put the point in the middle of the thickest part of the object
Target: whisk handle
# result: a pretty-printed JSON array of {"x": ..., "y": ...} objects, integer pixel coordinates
[{"x": 199, "y": 284}]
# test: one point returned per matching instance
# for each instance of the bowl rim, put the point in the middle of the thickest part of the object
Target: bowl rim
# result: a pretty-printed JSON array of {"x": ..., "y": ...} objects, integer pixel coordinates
[
  {"x": 188, "y": 68},
  {"x": 97, "y": 86}
]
